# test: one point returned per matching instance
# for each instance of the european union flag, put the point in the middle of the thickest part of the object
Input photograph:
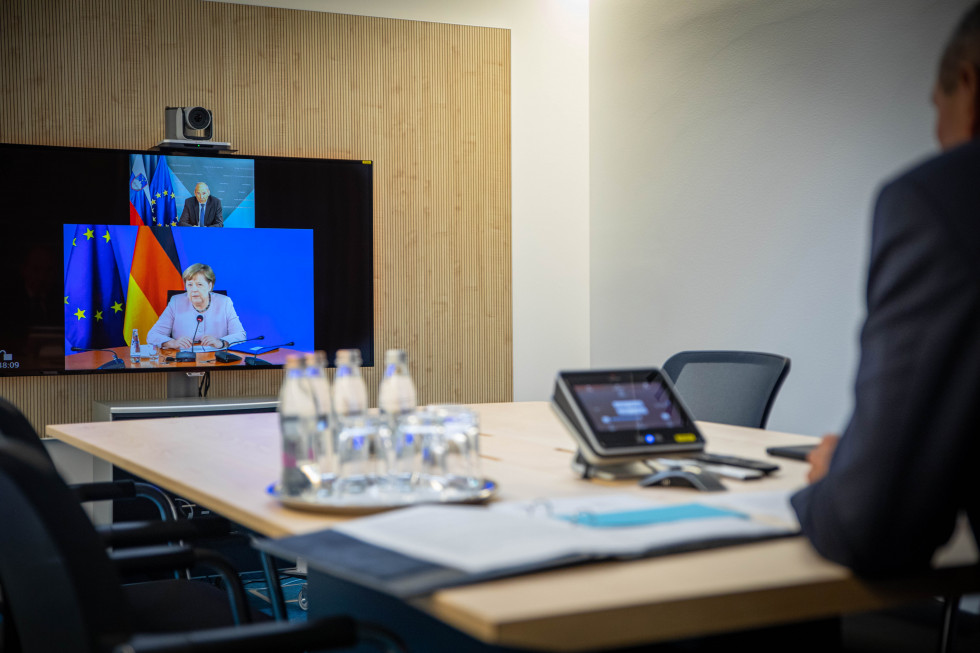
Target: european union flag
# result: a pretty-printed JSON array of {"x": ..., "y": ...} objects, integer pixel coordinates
[
  {"x": 163, "y": 200},
  {"x": 94, "y": 301}
]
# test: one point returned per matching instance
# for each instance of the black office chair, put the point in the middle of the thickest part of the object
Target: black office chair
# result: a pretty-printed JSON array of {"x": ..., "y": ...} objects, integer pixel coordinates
[
  {"x": 63, "y": 593},
  {"x": 14, "y": 426},
  {"x": 730, "y": 387}
]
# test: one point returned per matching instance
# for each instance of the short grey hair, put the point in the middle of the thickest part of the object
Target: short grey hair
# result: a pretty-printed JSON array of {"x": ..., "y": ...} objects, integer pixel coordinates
[{"x": 199, "y": 268}]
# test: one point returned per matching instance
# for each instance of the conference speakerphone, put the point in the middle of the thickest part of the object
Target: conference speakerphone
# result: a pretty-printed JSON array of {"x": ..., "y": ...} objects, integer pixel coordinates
[{"x": 619, "y": 417}]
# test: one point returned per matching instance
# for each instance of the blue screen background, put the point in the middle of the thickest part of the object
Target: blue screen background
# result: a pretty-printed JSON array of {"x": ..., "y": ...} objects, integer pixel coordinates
[{"x": 267, "y": 273}]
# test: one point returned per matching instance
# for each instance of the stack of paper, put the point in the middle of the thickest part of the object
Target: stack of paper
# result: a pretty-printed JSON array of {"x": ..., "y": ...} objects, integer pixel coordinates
[{"x": 420, "y": 549}]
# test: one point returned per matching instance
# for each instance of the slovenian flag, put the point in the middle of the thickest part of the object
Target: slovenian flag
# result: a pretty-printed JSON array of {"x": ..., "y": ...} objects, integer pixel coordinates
[{"x": 140, "y": 210}]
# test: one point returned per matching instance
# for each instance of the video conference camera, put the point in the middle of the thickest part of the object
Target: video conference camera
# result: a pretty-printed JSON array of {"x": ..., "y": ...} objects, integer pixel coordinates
[
  {"x": 189, "y": 123},
  {"x": 190, "y": 128}
]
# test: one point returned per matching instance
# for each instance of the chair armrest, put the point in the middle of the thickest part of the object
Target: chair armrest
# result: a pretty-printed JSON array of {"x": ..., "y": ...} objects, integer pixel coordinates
[
  {"x": 127, "y": 489},
  {"x": 153, "y": 558},
  {"x": 283, "y": 637},
  {"x": 173, "y": 557},
  {"x": 142, "y": 533},
  {"x": 104, "y": 491}
]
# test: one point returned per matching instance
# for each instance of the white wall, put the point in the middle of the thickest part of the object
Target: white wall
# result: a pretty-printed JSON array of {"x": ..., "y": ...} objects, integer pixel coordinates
[
  {"x": 736, "y": 146},
  {"x": 694, "y": 174},
  {"x": 550, "y": 167}
]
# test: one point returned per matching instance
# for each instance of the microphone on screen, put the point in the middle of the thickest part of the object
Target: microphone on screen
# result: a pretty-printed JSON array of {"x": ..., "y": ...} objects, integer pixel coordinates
[
  {"x": 115, "y": 364},
  {"x": 190, "y": 356},
  {"x": 227, "y": 356},
  {"x": 238, "y": 342},
  {"x": 258, "y": 362}
]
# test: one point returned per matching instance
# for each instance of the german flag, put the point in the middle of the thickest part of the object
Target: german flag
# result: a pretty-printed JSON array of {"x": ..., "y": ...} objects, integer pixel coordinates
[{"x": 155, "y": 270}]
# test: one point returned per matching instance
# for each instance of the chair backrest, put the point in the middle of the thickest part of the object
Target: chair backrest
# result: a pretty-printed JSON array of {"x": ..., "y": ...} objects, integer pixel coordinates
[
  {"x": 60, "y": 589},
  {"x": 730, "y": 387},
  {"x": 14, "y": 426},
  {"x": 172, "y": 293}
]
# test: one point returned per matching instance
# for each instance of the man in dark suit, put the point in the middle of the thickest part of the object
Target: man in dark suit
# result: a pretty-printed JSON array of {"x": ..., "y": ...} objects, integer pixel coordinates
[
  {"x": 202, "y": 210},
  {"x": 885, "y": 495}
]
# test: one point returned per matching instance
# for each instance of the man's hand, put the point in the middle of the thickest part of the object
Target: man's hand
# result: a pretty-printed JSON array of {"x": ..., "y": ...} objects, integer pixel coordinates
[{"x": 819, "y": 458}]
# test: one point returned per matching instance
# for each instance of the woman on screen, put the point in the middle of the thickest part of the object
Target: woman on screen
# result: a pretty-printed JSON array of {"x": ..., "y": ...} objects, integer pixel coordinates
[{"x": 198, "y": 310}]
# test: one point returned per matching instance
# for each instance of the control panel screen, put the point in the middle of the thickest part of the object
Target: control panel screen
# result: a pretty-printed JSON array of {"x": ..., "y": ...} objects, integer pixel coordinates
[
  {"x": 613, "y": 406},
  {"x": 629, "y": 409}
]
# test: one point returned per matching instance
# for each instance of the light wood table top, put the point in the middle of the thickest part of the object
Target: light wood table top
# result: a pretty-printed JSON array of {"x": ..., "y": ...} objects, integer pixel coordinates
[{"x": 227, "y": 462}]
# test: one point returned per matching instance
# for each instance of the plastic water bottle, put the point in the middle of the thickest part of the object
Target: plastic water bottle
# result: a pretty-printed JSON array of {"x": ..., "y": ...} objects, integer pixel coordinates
[
  {"x": 134, "y": 347},
  {"x": 349, "y": 391},
  {"x": 396, "y": 394},
  {"x": 297, "y": 422},
  {"x": 396, "y": 397},
  {"x": 325, "y": 440},
  {"x": 357, "y": 450}
]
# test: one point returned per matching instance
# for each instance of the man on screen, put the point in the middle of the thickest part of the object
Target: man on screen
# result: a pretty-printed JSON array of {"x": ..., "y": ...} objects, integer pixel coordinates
[
  {"x": 202, "y": 210},
  {"x": 885, "y": 495}
]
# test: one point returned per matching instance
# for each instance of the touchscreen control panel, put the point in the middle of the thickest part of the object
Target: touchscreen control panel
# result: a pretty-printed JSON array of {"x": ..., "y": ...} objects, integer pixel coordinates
[{"x": 620, "y": 415}]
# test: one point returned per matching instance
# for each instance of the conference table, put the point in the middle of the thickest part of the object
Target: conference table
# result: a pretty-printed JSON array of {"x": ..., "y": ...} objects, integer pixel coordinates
[
  {"x": 228, "y": 462},
  {"x": 164, "y": 359}
]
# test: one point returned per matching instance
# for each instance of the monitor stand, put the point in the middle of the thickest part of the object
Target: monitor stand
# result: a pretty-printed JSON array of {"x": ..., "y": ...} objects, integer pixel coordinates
[{"x": 181, "y": 385}]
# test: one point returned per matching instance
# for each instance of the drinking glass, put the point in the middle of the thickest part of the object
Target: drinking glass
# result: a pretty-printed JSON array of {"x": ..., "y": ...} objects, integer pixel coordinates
[
  {"x": 362, "y": 442},
  {"x": 462, "y": 470},
  {"x": 415, "y": 461},
  {"x": 409, "y": 446}
]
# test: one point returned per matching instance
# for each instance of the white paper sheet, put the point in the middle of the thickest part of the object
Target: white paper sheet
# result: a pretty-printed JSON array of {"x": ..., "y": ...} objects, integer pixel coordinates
[
  {"x": 468, "y": 538},
  {"x": 520, "y": 534}
]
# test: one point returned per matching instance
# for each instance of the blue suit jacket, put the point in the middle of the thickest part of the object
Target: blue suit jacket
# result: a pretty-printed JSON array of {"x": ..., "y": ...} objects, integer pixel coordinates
[
  {"x": 905, "y": 464},
  {"x": 213, "y": 215}
]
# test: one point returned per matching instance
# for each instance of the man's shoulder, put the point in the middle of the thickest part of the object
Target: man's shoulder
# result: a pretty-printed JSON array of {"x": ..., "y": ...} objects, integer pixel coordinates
[
  {"x": 940, "y": 190},
  {"x": 949, "y": 172}
]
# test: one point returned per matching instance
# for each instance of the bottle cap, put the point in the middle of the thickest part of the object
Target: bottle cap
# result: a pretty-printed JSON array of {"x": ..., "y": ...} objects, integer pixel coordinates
[
  {"x": 348, "y": 357},
  {"x": 395, "y": 356}
]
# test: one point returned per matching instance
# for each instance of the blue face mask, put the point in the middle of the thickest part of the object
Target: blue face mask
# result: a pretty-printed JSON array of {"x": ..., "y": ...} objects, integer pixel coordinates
[{"x": 649, "y": 516}]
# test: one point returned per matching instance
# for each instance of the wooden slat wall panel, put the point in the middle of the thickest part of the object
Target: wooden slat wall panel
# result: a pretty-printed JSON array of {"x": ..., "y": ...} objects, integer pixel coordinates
[{"x": 428, "y": 103}]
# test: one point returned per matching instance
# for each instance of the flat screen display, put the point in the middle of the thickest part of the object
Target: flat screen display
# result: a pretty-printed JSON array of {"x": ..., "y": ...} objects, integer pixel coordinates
[{"x": 96, "y": 243}]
